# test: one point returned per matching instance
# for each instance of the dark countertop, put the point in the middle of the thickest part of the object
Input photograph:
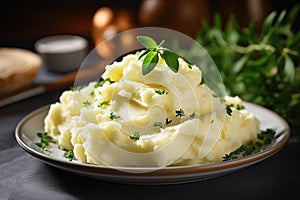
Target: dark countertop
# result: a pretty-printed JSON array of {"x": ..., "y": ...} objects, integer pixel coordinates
[{"x": 26, "y": 177}]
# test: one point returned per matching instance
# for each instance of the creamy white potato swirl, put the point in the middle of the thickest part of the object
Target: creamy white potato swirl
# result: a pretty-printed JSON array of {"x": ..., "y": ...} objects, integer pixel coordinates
[{"x": 154, "y": 120}]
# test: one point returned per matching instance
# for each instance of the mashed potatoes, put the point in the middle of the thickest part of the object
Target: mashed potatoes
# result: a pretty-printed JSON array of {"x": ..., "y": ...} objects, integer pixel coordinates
[{"x": 154, "y": 120}]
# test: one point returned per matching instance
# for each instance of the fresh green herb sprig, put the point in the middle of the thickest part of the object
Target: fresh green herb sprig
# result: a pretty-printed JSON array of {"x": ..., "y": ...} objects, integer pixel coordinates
[
  {"x": 136, "y": 136},
  {"x": 168, "y": 121},
  {"x": 228, "y": 110},
  {"x": 259, "y": 64},
  {"x": 87, "y": 103},
  {"x": 162, "y": 125},
  {"x": 69, "y": 155},
  {"x": 237, "y": 106},
  {"x": 113, "y": 116},
  {"x": 45, "y": 139},
  {"x": 161, "y": 91},
  {"x": 264, "y": 138},
  {"x": 179, "y": 113},
  {"x": 158, "y": 124},
  {"x": 193, "y": 115},
  {"x": 77, "y": 88},
  {"x": 240, "y": 107},
  {"x": 152, "y": 53},
  {"x": 101, "y": 83},
  {"x": 103, "y": 103}
]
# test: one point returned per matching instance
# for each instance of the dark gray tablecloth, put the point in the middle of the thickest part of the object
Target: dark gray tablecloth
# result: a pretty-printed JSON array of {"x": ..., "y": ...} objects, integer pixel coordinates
[{"x": 23, "y": 176}]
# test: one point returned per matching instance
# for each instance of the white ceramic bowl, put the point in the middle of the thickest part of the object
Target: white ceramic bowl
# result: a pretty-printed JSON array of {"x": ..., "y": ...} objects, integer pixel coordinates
[{"x": 62, "y": 53}]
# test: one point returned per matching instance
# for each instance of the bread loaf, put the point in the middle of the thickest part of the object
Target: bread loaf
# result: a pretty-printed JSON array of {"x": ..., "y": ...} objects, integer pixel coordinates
[{"x": 18, "y": 68}]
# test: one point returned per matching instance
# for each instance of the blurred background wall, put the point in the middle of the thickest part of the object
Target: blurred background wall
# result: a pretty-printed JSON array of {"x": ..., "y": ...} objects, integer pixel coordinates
[{"x": 23, "y": 22}]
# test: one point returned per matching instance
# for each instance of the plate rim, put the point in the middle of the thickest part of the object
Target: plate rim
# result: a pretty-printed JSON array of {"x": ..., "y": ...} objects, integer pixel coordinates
[{"x": 164, "y": 172}]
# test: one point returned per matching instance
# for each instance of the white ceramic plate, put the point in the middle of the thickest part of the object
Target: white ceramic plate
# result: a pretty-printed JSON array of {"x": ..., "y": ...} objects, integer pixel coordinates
[{"x": 26, "y": 136}]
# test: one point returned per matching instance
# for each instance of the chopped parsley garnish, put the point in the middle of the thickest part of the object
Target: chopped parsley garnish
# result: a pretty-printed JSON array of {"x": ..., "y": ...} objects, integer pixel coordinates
[
  {"x": 158, "y": 124},
  {"x": 103, "y": 103},
  {"x": 113, "y": 116},
  {"x": 77, "y": 88},
  {"x": 264, "y": 138},
  {"x": 101, "y": 83},
  {"x": 179, "y": 113},
  {"x": 162, "y": 125},
  {"x": 69, "y": 154},
  {"x": 161, "y": 91},
  {"x": 240, "y": 107},
  {"x": 202, "y": 81},
  {"x": 135, "y": 136},
  {"x": 168, "y": 121},
  {"x": 228, "y": 110},
  {"x": 152, "y": 53},
  {"x": 193, "y": 115},
  {"x": 237, "y": 106},
  {"x": 244, "y": 150},
  {"x": 86, "y": 103},
  {"x": 44, "y": 140}
]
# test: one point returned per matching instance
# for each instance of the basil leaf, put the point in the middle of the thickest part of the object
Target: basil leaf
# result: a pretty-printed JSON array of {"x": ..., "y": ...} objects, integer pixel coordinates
[
  {"x": 147, "y": 42},
  {"x": 152, "y": 53},
  {"x": 150, "y": 62},
  {"x": 171, "y": 60},
  {"x": 144, "y": 53}
]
